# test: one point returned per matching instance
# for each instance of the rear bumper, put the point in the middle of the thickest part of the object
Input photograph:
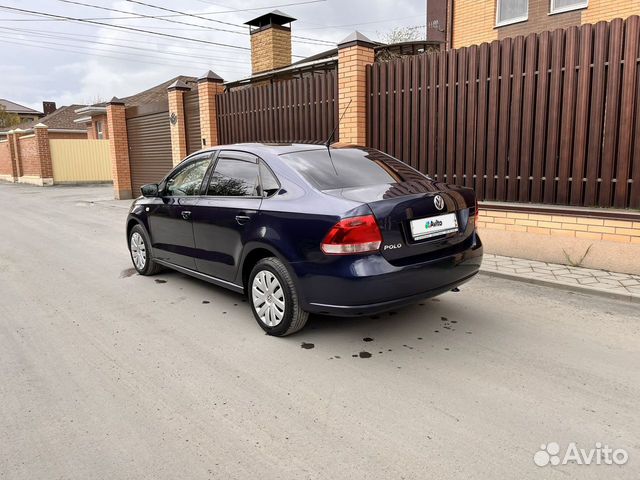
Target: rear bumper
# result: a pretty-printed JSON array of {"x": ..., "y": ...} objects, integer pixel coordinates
[{"x": 364, "y": 285}]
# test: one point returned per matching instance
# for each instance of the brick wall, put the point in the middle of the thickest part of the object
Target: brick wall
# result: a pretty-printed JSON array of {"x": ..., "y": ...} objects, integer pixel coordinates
[
  {"x": 474, "y": 21},
  {"x": 613, "y": 244},
  {"x": 270, "y": 48},
  {"x": 607, "y": 10},
  {"x": 540, "y": 20},
  {"x": 67, "y": 136},
  {"x": 6, "y": 169},
  {"x": 92, "y": 128},
  {"x": 29, "y": 156},
  {"x": 562, "y": 226}
]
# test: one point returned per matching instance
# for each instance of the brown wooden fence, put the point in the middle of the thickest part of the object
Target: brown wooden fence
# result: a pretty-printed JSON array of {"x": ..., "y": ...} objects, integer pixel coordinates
[
  {"x": 301, "y": 110},
  {"x": 550, "y": 118}
]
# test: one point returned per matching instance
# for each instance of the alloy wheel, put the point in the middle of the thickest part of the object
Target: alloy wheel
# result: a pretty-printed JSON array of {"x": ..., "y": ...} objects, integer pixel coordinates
[{"x": 268, "y": 298}]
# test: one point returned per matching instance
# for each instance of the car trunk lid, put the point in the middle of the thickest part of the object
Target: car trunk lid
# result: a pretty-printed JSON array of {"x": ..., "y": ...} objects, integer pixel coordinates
[{"x": 442, "y": 215}]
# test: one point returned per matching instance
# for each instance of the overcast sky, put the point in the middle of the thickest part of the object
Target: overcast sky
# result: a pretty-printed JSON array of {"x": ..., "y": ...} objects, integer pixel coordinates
[{"x": 72, "y": 62}]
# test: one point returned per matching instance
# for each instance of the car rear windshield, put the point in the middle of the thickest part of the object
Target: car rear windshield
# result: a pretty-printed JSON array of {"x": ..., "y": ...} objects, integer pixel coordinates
[{"x": 348, "y": 168}]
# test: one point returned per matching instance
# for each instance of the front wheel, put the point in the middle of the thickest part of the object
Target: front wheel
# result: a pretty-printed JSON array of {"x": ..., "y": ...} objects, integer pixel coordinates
[
  {"x": 139, "y": 248},
  {"x": 274, "y": 300}
]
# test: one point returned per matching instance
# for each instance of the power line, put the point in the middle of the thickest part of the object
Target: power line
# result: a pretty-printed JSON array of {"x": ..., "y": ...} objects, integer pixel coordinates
[
  {"x": 159, "y": 17},
  {"x": 193, "y": 15},
  {"x": 139, "y": 31},
  {"x": 86, "y": 50},
  {"x": 260, "y": 8},
  {"x": 138, "y": 2},
  {"x": 153, "y": 17},
  {"x": 71, "y": 37},
  {"x": 347, "y": 25},
  {"x": 303, "y": 40},
  {"x": 91, "y": 53},
  {"x": 169, "y": 15},
  {"x": 122, "y": 27}
]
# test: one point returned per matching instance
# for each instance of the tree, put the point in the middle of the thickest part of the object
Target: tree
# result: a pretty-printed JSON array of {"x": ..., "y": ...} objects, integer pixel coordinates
[
  {"x": 8, "y": 120},
  {"x": 399, "y": 35},
  {"x": 403, "y": 34}
]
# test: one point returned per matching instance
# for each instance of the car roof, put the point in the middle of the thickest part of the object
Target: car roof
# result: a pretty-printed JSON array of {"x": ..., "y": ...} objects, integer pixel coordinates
[{"x": 271, "y": 148}]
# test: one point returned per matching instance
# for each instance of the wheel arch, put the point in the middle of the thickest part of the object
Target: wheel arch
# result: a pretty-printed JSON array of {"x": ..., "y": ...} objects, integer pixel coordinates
[
  {"x": 255, "y": 252},
  {"x": 132, "y": 222}
]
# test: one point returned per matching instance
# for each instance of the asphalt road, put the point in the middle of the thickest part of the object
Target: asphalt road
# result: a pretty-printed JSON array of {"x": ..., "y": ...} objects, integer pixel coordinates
[{"x": 109, "y": 375}]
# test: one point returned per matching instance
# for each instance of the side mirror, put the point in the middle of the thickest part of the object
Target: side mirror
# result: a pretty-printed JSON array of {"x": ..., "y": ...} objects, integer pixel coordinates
[{"x": 149, "y": 190}]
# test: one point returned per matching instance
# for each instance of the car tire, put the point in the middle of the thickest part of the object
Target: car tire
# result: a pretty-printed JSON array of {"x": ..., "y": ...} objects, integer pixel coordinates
[
  {"x": 140, "y": 252},
  {"x": 273, "y": 298}
]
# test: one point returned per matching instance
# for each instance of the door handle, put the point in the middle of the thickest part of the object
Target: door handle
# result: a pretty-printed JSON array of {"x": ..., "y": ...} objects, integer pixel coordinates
[
  {"x": 186, "y": 215},
  {"x": 242, "y": 219}
]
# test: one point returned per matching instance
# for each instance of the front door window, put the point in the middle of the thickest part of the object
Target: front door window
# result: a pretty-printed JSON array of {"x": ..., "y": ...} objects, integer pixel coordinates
[{"x": 187, "y": 181}]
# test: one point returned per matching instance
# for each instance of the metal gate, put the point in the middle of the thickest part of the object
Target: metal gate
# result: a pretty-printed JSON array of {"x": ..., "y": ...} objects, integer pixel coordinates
[
  {"x": 149, "y": 135},
  {"x": 192, "y": 120}
]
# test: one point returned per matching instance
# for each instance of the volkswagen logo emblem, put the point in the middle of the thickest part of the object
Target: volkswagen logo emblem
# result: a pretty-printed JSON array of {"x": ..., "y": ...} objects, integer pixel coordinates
[{"x": 438, "y": 202}]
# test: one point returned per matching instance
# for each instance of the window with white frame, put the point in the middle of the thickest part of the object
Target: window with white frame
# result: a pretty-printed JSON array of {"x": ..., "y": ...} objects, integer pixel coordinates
[
  {"x": 559, "y": 6},
  {"x": 511, "y": 11},
  {"x": 99, "y": 130}
]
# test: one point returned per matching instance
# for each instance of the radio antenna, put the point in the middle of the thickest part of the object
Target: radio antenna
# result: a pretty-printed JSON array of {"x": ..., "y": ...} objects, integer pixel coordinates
[{"x": 333, "y": 132}]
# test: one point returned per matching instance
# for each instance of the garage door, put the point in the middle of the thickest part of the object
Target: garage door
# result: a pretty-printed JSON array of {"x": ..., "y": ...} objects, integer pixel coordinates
[{"x": 149, "y": 148}]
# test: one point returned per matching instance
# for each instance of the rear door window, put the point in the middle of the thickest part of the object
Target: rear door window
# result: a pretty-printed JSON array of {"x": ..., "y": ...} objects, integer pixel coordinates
[
  {"x": 236, "y": 174},
  {"x": 349, "y": 168}
]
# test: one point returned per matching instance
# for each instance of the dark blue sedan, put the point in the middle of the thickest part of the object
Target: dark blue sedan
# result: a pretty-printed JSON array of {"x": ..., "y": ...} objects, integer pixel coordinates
[{"x": 306, "y": 228}]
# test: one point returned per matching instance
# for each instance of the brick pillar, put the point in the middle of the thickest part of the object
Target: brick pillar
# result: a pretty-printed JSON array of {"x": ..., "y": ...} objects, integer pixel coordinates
[
  {"x": 119, "y": 148},
  {"x": 41, "y": 133},
  {"x": 14, "y": 152},
  {"x": 176, "y": 118},
  {"x": 354, "y": 53},
  {"x": 209, "y": 85}
]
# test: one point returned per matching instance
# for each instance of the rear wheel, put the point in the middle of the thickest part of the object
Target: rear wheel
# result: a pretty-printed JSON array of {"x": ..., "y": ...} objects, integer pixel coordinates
[
  {"x": 273, "y": 298},
  {"x": 141, "y": 256}
]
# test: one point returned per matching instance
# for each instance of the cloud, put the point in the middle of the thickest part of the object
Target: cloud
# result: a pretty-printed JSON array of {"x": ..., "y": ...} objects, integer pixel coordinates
[{"x": 124, "y": 62}]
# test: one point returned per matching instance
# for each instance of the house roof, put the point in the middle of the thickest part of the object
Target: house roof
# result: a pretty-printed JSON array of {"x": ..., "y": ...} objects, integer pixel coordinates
[
  {"x": 61, "y": 119},
  {"x": 155, "y": 94},
  {"x": 12, "y": 107}
]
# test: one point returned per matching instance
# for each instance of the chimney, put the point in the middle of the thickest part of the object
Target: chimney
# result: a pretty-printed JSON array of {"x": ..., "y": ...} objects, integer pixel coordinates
[
  {"x": 48, "y": 107},
  {"x": 438, "y": 12},
  {"x": 270, "y": 41}
]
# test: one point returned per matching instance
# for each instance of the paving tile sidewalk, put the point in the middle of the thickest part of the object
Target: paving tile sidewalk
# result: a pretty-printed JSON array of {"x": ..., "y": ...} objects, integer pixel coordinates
[{"x": 597, "y": 282}]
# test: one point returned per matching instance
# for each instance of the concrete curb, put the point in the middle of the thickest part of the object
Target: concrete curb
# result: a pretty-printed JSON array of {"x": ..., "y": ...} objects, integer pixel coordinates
[{"x": 628, "y": 297}]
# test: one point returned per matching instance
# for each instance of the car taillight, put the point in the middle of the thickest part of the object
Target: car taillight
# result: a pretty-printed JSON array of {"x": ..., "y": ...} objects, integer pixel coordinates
[{"x": 353, "y": 235}]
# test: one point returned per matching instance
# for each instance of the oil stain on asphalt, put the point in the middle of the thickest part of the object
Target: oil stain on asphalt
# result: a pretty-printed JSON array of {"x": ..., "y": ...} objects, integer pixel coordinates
[{"x": 129, "y": 272}]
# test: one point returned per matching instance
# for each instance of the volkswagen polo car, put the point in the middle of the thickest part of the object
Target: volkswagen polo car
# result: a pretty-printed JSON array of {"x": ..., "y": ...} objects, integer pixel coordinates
[{"x": 307, "y": 228}]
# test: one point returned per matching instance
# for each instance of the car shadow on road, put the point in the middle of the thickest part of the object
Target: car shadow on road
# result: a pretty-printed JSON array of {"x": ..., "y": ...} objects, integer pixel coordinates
[
  {"x": 421, "y": 318},
  {"x": 434, "y": 320}
]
